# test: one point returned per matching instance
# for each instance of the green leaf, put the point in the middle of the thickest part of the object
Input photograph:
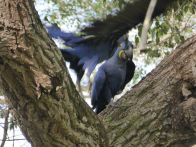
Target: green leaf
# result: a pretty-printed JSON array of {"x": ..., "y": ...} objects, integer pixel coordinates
[
  {"x": 153, "y": 53},
  {"x": 136, "y": 40},
  {"x": 182, "y": 38},
  {"x": 176, "y": 38},
  {"x": 157, "y": 38},
  {"x": 140, "y": 30}
]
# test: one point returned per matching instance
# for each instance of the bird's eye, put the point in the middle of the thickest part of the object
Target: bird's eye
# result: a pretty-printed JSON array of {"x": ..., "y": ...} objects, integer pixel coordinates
[{"x": 120, "y": 46}]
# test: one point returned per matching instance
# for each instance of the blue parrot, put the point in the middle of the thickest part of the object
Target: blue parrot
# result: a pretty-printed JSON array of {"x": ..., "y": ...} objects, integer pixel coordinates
[
  {"x": 99, "y": 41},
  {"x": 112, "y": 76},
  {"x": 103, "y": 40},
  {"x": 84, "y": 54}
]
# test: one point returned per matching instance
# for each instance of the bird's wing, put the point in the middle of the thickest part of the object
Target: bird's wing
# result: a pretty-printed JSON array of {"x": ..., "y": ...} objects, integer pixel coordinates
[
  {"x": 85, "y": 54},
  {"x": 104, "y": 35},
  {"x": 98, "y": 85},
  {"x": 133, "y": 13},
  {"x": 70, "y": 39}
]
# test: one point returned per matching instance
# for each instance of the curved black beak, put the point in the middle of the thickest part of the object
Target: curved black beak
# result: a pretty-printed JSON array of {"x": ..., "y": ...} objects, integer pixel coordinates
[{"x": 127, "y": 54}]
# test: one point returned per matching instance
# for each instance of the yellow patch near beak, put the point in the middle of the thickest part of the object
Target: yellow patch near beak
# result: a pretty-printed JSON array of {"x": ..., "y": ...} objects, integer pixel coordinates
[
  {"x": 120, "y": 46},
  {"x": 120, "y": 53}
]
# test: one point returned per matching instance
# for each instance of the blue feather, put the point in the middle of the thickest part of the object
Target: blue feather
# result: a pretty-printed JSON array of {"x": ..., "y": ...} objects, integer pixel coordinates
[
  {"x": 111, "y": 78},
  {"x": 85, "y": 54}
]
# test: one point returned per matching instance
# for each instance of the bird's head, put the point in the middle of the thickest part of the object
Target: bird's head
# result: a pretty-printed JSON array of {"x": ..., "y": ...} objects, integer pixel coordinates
[{"x": 125, "y": 48}]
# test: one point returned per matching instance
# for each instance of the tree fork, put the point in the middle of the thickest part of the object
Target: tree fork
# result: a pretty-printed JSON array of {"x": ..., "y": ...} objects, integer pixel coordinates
[
  {"x": 34, "y": 77},
  {"x": 159, "y": 111}
]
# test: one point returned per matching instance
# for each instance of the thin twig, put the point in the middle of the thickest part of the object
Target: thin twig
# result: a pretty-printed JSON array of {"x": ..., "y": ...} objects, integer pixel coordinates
[
  {"x": 5, "y": 128},
  {"x": 14, "y": 139}
]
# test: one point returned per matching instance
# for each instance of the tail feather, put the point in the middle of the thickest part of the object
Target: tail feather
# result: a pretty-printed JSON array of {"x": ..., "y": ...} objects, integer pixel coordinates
[
  {"x": 73, "y": 62},
  {"x": 70, "y": 39},
  {"x": 85, "y": 53}
]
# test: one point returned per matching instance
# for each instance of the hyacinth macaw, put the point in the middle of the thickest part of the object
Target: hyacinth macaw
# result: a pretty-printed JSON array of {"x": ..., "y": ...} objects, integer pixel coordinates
[
  {"x": 112, "y": 76},
  {"x": 101, "y": 41}
]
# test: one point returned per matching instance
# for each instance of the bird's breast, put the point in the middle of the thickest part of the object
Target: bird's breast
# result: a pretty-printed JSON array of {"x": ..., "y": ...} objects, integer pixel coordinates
[{"x": 115, "y": 78}]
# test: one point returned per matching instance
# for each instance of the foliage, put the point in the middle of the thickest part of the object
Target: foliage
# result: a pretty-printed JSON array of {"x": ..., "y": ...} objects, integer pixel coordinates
[
  {"x": 77, "y": 13},
  {"x": 3, "y": 108},
  {"x": 166, "y": 33}
]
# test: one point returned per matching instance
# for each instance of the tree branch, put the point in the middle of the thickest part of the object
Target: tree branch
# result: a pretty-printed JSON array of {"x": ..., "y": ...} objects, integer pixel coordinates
[
  {"x": 162, "y": 114},
  {"x": 146, "y": 25}
]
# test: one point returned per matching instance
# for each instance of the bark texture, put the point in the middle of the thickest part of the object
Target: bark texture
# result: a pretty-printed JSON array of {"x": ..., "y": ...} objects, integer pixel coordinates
[
  {"x": 33, "y": 76},
  {"x": 161, "y": 109}
]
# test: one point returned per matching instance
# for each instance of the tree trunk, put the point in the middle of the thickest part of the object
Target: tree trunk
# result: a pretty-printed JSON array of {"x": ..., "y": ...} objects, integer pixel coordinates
[
  {"x": 34, "y": 77},
  {"x": 159, "y": 111}
]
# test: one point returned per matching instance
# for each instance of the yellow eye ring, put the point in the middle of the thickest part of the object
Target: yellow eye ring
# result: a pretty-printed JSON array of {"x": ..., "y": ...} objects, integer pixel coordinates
[
  {"x": 120, "y": 46},
  {"x": 120, "y": 53}
]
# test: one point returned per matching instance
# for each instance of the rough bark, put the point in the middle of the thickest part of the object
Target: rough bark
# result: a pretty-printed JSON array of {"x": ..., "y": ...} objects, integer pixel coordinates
[
  {"x": 33, "y": 76},
  {"x": 161, "y": 109}
]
